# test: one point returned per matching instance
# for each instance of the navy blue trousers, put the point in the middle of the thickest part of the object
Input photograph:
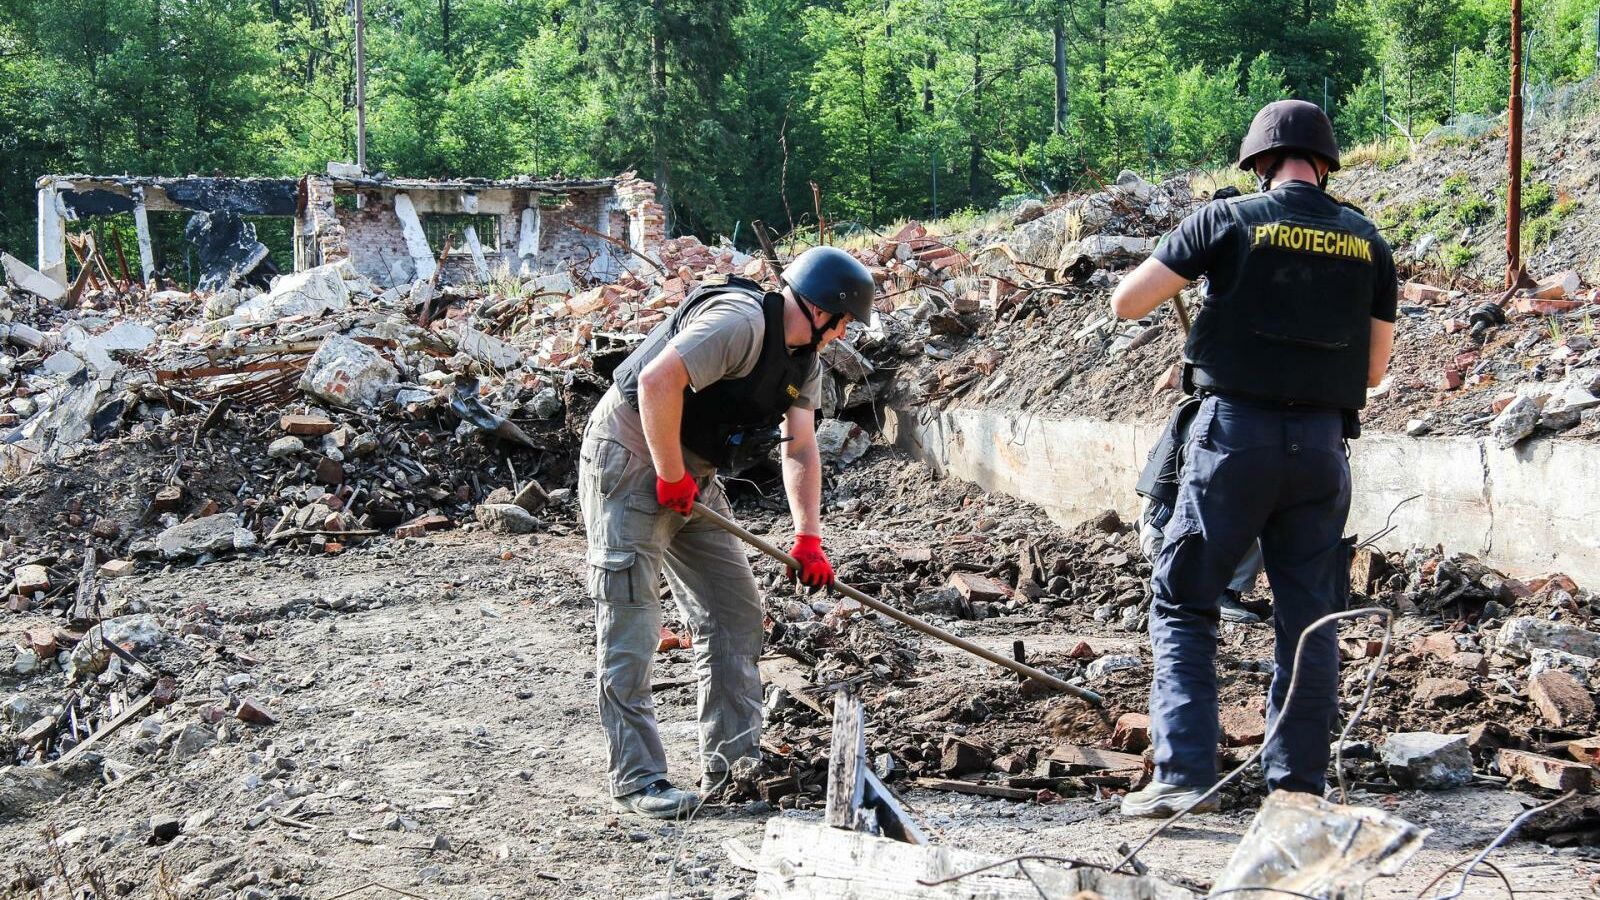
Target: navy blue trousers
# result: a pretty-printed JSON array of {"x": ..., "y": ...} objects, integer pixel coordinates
[{"x": 1281, "y": 475}]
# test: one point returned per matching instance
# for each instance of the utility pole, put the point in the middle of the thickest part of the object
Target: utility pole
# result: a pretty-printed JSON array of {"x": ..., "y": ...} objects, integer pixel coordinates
[
  {"x": 361, "y": 87},
  {"x": 1455, "y": 59},
  {"x": 1324, "y": 94},
  {"x": 1383, "y": 107},
  {"x": 1514, "y": 153}
]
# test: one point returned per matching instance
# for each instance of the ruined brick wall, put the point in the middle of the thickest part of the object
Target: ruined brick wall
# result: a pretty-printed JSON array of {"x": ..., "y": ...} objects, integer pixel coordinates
[
  {"x": 646, "y": 219},
  {"x": 560, "y": 245},
  {"x": 377, "y": 243},
  {"x": 320, "y": 227}
]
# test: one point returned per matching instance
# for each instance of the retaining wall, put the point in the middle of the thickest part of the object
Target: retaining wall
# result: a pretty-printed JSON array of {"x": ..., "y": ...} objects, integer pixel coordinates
[{"x": 1528, "y": 510}]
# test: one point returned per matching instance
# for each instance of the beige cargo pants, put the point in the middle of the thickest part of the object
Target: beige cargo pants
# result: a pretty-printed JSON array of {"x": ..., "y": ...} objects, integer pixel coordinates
[{"x": 630, "y": 537}]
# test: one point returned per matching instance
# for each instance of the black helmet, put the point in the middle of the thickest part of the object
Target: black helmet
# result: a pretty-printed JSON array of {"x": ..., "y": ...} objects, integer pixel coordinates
[
  {"x": 1290, "y": 125},
  {"x": 832, "y": 281}
]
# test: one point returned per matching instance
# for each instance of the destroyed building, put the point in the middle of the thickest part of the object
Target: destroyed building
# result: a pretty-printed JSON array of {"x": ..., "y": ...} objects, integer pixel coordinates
[{"x": 393, "y": 230}]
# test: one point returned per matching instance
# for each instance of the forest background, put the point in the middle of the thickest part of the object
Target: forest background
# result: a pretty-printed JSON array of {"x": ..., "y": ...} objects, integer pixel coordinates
[{"x": 893, "y": 108}]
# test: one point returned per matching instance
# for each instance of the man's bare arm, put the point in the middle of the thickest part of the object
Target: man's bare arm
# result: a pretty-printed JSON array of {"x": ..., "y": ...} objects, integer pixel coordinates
[
  {"x": 1145, "y": 288},
  {"x": 1379, "y": 347},
  {"x": 802, "y": 470},
  {"x": 661, "y": 387}
]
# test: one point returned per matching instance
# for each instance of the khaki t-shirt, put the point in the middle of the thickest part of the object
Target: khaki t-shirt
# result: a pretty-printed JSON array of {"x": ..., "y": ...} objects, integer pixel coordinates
[{"x": 720, "y": 339}]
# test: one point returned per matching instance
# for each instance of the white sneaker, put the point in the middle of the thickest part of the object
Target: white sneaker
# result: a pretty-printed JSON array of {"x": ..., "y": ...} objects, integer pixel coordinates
[{"x": 1163, "y": 801}]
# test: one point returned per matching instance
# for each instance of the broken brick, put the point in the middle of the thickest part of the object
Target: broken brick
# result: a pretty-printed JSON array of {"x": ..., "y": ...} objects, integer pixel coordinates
[
  {"x": 1486, "y": 736},
  {"x": 1558, "y": 286},
  {"x": 330, "y": 471},
  {"x": 167, "y": 499},
  {"x": 31, "y": 579},
  {"x": 1534, "y": 306},
  {"x": 1424, "y": 294},
  {"x": 1082, "y": 651},
  {"x": 208, "y": 508},
  {"x": 1132, "y": 733},
  {"x": 42, "y": 641},
  {"x": 1544, "y": 771},
  {"x": 975, "y": 588},
  {"x": 1242, "y": 727},
  {"x": 421, "y": 525},
  {"x": 1442, "y": 693},
  {"x": 1014, "y": 763},
  {"x": 1555, "y": 581},
  {"x": 1449, "y": 379},
  {"x": 306, "y": 426},
  {"x": 1586, "y": 751},
  {"x": 1438, "y": 644},
  {"x": 669, "y": 640},
  {"x": 960, "y": 756},
  {"x": 1475, "y": 663},
  {"x": 254, "y": 713},
  {"x": 1561, "y": 700},
  {"x": 116, "y": 568},
  {"x": 1500, "y": 402}
]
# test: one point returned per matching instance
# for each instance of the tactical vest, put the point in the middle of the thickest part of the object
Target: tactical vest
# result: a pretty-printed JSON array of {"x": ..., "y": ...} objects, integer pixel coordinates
[
  {"x": 1295, "y": 323},
  {"x": 720, "y": 418}
]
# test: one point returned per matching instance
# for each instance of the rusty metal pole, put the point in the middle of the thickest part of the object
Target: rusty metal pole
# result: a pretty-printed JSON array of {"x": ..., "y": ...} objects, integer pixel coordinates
[{"x": 1514, "y": 154}]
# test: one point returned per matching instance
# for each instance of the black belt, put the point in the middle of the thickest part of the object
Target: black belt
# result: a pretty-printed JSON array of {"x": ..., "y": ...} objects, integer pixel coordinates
[{"x": 1269, "y": 402}]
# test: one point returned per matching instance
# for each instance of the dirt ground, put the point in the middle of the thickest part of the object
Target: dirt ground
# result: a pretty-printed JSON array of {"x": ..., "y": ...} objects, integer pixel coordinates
[{"x": 436, "y": 733}]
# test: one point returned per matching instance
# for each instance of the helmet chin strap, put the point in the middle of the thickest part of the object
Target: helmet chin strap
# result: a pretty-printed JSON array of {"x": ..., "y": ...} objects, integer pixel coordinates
[
  {"x": 1264, "y": 179},
  {"x": 817, "y": 331}
]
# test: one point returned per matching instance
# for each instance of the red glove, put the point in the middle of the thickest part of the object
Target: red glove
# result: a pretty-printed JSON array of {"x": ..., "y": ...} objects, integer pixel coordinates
[
  {"x": 679, "y": 495},
  {"x": 815, "y": 570}
]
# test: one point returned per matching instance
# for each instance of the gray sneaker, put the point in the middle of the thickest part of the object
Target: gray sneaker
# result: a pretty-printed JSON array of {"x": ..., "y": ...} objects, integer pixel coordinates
[
  {"x": 1163, "y": 801},
  {"x": 1235, "y": 611},
  {"x": 659, "y": 800}
]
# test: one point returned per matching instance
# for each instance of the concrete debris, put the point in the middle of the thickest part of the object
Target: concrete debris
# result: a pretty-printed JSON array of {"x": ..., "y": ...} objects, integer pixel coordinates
[
  {"x": 29, "y": 279},
  {"x": 219, "y": 533},
  {"x": 1312, "y": 847},
  {"x": 506, "y": 518},
  {"x": 348, "y": 373},
  {"x": 1426, "y": 760},
  {"x": 1524, "y": 634},
  {"x": 842, "y": 443},
  {"x": 1515, "y": 422}
]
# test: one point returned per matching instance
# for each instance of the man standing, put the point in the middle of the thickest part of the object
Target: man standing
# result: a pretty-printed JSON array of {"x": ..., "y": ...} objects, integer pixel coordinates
[
  {"x": 1298, "y": 320},
  {"x": 708, "y": 388}
]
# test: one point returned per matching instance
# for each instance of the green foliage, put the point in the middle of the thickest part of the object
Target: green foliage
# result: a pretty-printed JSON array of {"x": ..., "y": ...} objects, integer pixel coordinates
[
  {"x": 892, "y": 107},
  {"x": 1456, "y": 256}
]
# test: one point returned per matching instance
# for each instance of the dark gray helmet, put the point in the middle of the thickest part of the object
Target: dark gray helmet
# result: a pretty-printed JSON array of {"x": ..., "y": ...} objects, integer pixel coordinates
[
  {"x": 832, "y": 281},
  {"x": 1290, "y": 125}
]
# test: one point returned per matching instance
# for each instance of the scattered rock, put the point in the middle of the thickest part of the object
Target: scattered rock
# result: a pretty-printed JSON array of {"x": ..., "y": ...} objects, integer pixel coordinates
[
  {"x": 210, "y": 535},
  {"x": 1427, "y": 760},
  {"x": 506, "y": 518},
  {"x": 1522, "y": 635},
  {"x": 1561, "y": 700},
  {"x": 1111, "y": 662}
]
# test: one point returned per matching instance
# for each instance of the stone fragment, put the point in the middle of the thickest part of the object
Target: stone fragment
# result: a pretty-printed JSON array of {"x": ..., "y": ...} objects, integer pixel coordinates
[
  {"x": 1543, "y": 771},
  {"x": 976, "y": 588},
  {"x": 30, "y": 279},
  {"x": 1561, "y": 700},
  {"x": 210, "y": 873},
  {"x": 285, "y": 447},
  {"x": 1437, "y": 644},
  {"x": 1424, "y": 294},
  {"x": 116, "y": 568},
  {"x": 137, "y": 633},
  {"x": 25, "y": 663},
  {"x": 348, "y": 373},
  {"x": 1515, "y": 422},
  {"x": 1241, "y": 727},
  {"x": 213, "y": 534},
  {"x": 506, "y": 518},
  {"x": 1580, "y": 667},
  {"x": 1132, "y": 733},
  {"x": 841, "y": 443},
  {"x": 1524, "y": 634},
  {"x": 1111, "y": 662},
  {"x": 192, "y": 740},
  {"x": 31, "y": 579},
  {"x": 330, "y": 471},
  {"x": 1427, "y": 760},
  {"x": 164, "y": 827},
  {"x": 1443, "y": 693},
  {"x": 1586, "y": 751},
  {"x": 959, "y": 756}
]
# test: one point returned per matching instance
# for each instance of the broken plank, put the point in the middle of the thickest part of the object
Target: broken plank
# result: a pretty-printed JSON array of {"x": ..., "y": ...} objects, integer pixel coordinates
[
  {"x": 128, "y": 713},
  {"x": 893, "y": 818},
  {"x": 1077, "y": 760},
  {"x": 792, "y": 675},
  {"x": 809, "y": 861},
  {"x": 976, "y": 788},
  {"x": 847, "y": 762}
]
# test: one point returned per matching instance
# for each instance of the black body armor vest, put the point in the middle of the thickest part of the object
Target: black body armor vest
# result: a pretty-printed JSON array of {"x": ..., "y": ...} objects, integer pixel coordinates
[
  {"x": 1295, "y": 323},
  {"x": 722, "y": 421}
]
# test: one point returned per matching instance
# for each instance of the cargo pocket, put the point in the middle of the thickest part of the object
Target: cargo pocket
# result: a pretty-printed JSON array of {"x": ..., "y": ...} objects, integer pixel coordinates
[{"x": 613, "y": 577}]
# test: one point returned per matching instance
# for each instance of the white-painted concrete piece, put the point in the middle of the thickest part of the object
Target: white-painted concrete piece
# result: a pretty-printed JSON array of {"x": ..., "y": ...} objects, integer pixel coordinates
[
  {"x": 1528, "y": 510},
  {"x": 416, "y": 239}
]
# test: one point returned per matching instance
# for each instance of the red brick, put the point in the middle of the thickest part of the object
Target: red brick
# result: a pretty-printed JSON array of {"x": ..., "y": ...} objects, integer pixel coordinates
[
  {"x": 1443, "y": 693},
  {"x": 1544, "y": 771},
  {"x": 168, "y": 499},
  {"x": 1438, "y": 644},
  {"x": 669, "y": 641},
  {"x": 1082, "y": 651},
  {"x": 254, "y": 713},
  {"x": 43, "y": 642},
  {"x": 1586, "y": 751},
  {"x": 1555, "y": 581},
  {"x": 116, "y": 568},
  {"x": 978, "y": 589},
  {"x": 306, "y": 426},
  {"x": 1425, "y": 294},
  {"x": 1132, "y": 733},
  {"x": 1536, "y": 307},
  {"x": 1449, "y": 379},
  {"x": 31, "y": 579},
  {"x": 1561, "y": 700}
]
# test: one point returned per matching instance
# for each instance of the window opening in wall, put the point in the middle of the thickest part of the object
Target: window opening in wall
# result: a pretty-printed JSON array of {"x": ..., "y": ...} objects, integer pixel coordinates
[
  {"x": 437, "y": 226},
  {"x": 553, "y": 201}
]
